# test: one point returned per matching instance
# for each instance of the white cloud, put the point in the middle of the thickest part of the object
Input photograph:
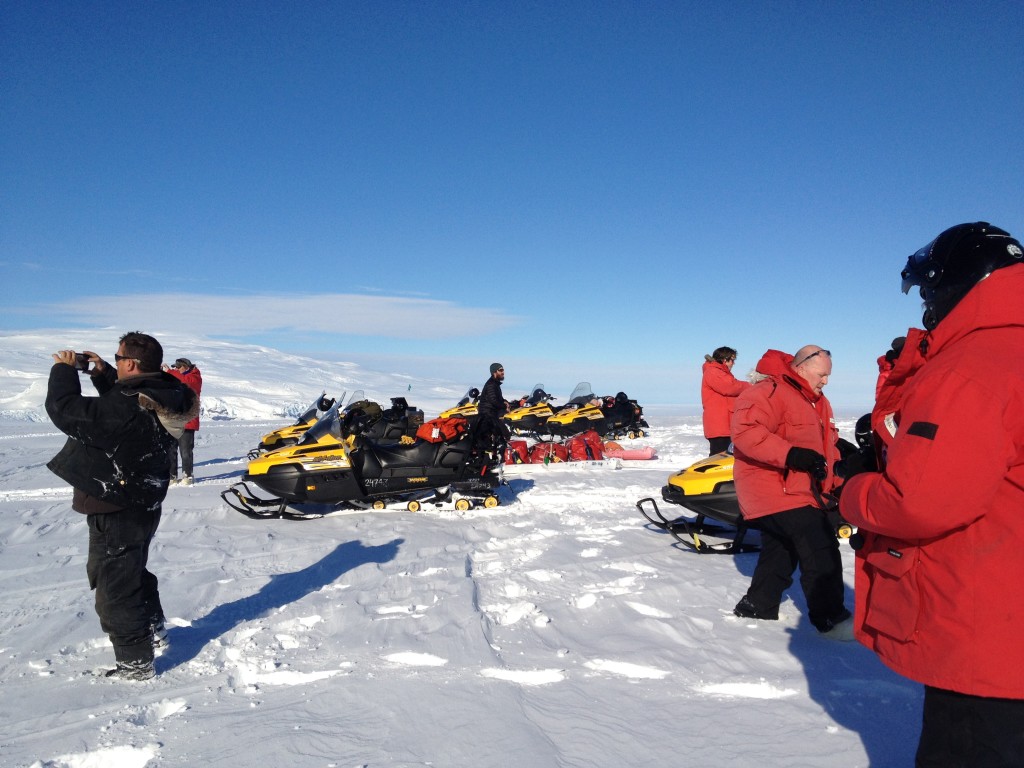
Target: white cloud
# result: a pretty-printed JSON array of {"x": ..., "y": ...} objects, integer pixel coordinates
[{"x": 340, "y": 313}]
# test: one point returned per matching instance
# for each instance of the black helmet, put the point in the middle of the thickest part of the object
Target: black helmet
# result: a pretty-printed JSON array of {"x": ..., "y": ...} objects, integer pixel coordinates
[{"x": 954, "y": 262}]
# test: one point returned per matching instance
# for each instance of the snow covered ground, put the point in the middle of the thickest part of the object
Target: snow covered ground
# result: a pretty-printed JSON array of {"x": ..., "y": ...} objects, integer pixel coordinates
[{"x": 554, "y": 630}]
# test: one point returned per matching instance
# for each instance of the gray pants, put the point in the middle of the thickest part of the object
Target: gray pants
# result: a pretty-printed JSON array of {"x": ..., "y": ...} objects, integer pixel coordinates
[{"x": 186, "y": 444}]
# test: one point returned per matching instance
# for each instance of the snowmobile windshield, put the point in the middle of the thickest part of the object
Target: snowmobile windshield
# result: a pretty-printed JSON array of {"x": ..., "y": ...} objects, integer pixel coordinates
[
  {"x": 324, "y": 425},
  {"x": 537, "y": 395},
  {"x": 470, "y": 397},
  {"x": 582, "y": 394},
  {"x": 356, "y": 397},
  {"x": 311, "y": 411}
]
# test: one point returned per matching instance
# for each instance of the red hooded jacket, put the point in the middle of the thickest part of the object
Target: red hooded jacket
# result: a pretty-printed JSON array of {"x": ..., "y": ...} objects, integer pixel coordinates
[
  {"x": 194, "y": 379},
  {"x": 718, "y": 391},
  {"x": 938, "y": 580},
  {"x": 776, "y": 414}
]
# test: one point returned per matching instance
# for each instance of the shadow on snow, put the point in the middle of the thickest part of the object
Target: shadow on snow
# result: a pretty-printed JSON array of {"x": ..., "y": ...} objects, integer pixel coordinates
[{"x": 282, "y": 589}]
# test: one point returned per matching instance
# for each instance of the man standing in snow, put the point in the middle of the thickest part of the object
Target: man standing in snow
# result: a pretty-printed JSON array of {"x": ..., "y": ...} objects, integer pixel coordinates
[
  {"x": 938, "y": 575},
  {"x": 785, "y": 445},
  {"x": 116, "y": 458},
  {"x": 492, "y": 407},
  {"x": 183, "y": 370},
  {"x": 718, "y": 392}
]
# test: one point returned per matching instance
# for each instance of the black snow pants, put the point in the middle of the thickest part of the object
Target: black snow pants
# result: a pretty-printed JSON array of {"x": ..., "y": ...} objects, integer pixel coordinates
[
  {"x": 127, "y": 595},
  {"x": 799, "y": 537}
]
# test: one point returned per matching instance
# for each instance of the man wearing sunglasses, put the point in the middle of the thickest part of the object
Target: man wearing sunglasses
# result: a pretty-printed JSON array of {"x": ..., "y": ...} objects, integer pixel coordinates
[
  {"x": 938, "y": 579},
  {"x": 116, "y": 458},
  {"x": 785, "y": 446}
]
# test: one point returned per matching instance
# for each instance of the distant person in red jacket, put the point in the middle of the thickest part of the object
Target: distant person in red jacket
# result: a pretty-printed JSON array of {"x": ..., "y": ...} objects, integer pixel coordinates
[
  {"x": 786, "y": 443},
  {"x": 185, "y": 371},
  {"x": 718, "y": 392},
  {"x": 938, "y": 578}
]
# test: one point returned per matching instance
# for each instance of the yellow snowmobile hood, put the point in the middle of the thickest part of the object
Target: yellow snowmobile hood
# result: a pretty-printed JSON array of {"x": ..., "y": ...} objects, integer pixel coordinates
[
  {"x": 469, "y": 409},
  {"x": 588, "y": 412},
  {"x": 705, "y": 476},
  {"x": 328, "y": 453}
]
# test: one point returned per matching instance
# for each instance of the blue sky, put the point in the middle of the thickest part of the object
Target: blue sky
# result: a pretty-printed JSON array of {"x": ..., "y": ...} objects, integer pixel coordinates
[{"x": 598, "y": 191}]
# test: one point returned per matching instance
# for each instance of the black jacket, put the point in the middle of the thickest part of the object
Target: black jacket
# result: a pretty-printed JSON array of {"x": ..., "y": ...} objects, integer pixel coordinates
[
  {"x": 491, "y": 402},
  {"x": 119, "y": 444}
]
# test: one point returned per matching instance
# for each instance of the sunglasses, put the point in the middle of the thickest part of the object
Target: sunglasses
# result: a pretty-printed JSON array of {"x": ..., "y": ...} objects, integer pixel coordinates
[
  {"x": 813, "y": 354},
  {"x": 118, "y": 358}
]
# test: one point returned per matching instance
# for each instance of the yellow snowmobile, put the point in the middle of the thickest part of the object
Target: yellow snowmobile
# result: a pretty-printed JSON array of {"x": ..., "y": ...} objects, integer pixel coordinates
[
  {"x": 532, "y": 413},
  {"x": 291, "y": 434},
  {"x": 466, "y": 408},
  {"x": 610, "y": 417},
  {"x": 329, "y": 470},
  {"x": 706, "y": 488}
]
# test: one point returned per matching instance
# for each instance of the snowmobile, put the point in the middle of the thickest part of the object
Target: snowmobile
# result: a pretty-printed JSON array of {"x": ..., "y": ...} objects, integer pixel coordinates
[
  {"x": 291, "y": 434},
  {"x": 610, "y": 417},
  {"x": 330, "y": 470},
  {"x": 706, "y": 489},
  {"x": 466, "y": 408},
  {"x": 531, "y": 413}
]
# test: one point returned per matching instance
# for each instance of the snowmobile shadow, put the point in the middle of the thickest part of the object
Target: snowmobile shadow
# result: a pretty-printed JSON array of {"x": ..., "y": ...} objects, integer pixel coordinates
[
  {"x": 858, "y": 692},
  {"x": 185, "y": 643},
  {"x": 519, "y": 485}
]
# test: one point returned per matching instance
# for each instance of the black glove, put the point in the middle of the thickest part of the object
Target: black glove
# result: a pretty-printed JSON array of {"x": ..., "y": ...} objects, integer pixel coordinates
[
  {"x": 897, "y": 347},
  {"x": 863, "y": 460},
  {"x": 845, "y": 447},
  {"x": 806, "y": 460}
]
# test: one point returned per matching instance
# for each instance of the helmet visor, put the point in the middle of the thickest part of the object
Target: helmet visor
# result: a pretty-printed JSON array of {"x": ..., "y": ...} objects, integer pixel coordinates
[{"x": 921, "y": 269}]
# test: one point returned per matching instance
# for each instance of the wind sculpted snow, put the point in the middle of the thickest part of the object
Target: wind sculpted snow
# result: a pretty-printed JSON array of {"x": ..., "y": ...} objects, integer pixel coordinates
[{"x": 555, "y": 630}]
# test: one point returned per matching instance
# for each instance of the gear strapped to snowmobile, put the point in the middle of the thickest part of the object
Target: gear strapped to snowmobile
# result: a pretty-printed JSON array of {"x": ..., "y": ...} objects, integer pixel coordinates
[
  {"x": 332, "y": 469},
  {"x": 360, "y": 416},
  {"x": 611, "y": 417}
]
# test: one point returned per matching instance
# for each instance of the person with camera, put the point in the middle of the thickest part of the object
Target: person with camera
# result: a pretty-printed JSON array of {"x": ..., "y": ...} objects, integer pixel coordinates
[
  {"x": 115, "y": 459},
  {"x": 942, "y": 523},
  {"x": 785, "y": 444},
  {"x": 184, "y": 370}
]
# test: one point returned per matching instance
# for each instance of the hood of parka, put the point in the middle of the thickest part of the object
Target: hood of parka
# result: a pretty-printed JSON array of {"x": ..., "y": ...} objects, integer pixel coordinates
[
  {"x": 173, "y": 403},
  {"x": 778, "y": 366},
  {"x": 995, "y": 302}
]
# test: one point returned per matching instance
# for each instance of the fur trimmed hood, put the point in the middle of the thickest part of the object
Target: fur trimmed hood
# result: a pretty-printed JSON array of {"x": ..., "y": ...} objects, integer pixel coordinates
[{"x": 171, "y": 420}]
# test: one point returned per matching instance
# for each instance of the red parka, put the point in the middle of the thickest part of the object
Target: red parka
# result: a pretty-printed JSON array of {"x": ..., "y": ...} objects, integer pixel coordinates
[
  {"x": 938, "y": 580},
  {"x": 774, "y": 415},
  {"x": 718, "y": 391},
  {"x": 194, "y": 379}
]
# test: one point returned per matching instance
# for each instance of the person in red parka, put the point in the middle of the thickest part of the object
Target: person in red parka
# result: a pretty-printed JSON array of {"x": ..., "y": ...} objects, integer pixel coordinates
[
  {"x": 938, "y": 576},
  {"x": 186, "y": 372},
  {"x": 785, "y": 446},
  {"x": 718, "y": 392}
]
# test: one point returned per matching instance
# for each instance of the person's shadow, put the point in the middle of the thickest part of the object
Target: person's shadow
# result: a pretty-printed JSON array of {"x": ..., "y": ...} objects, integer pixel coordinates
[
  {"x": 859, "y": 692},
  {"x": 185, "y": 643},
  {"x": 853, "y": 686}
]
